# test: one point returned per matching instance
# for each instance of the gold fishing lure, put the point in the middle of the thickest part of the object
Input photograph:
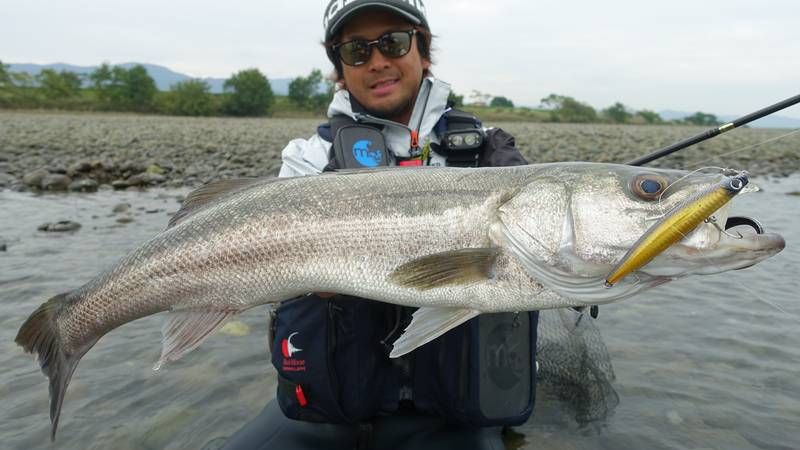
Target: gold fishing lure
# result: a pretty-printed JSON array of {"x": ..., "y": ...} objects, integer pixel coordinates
[{"x": 676, "y": 224}]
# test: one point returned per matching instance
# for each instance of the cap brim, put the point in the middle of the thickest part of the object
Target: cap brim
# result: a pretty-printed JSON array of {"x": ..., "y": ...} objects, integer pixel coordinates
[{"x": 337, "y": 25}]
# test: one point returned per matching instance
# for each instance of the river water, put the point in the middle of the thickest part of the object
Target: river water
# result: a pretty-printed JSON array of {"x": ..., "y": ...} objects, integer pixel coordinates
[{"x": 702, "y": 363}]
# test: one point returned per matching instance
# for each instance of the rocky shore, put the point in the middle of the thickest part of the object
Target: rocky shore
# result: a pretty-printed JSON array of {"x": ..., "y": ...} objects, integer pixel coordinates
[{"x": 87, "y": 152}]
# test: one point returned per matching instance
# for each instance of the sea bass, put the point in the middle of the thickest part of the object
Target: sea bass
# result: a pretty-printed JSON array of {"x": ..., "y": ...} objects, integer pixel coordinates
[{"x": 453, "y": 242}]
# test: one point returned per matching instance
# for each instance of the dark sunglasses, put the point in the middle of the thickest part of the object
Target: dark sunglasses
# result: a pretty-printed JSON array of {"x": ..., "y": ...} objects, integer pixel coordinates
[{"x": 392, "y": 45}]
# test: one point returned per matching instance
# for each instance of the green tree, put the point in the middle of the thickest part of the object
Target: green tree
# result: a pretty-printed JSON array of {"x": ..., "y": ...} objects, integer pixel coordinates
[
  {"x": 123, "y": 89},
  {"x": 5, "y": 77},
  {"x": 567, "y": 109},
  {"x": 59, "y": 85},
  {"x": 305, "y": 91},
  {"x": 248, "y": 94},
  {"x": 101, "y": 76},
  {"x": 22, "y": 79},
  {"x": 617, "y": 113},
  {"x": 651, "y": 117},
  {"x": 457, "y": 101},
  {"x": 139, "y": 89},
  {"x": 702, "y": 119},
  {"x": 190, "y": 98},
  {"x": 501, "y": 102}
]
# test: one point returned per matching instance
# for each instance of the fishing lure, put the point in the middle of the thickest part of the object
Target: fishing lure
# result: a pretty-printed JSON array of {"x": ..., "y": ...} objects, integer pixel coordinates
[{"x": 676, "y": 224}]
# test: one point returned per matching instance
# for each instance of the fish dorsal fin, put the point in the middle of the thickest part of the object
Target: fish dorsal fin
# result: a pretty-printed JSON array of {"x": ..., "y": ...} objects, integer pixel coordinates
[
  {"x": 449, "y": 268},
  {"x": 428, "y": 324},
  {"x": 202, "y": 196},
  {"x": 185, "y": 329}
]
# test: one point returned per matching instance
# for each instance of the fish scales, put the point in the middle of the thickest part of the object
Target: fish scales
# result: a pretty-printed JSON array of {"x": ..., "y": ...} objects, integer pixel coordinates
[{"x": 303, "y": 239}]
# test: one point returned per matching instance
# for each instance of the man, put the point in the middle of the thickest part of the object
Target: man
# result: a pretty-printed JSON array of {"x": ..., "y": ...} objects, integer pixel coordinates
[{"x": 335, "y": 379}]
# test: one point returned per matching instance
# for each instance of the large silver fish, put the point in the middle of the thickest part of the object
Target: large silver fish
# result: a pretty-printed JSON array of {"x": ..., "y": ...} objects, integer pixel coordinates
[{"x": 454, "y": 242}]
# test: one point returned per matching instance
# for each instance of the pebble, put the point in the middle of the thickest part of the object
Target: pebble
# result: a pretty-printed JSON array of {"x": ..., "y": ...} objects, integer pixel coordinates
[
  {"x": 79, "y": 167},
  {"x": 56, "y": 182},
  {"x": 125, "y": 219},
  {"x": 84, "y": 185},
  {"x": 121, "y": 207},
  {"x": 6, "y": 180},
  {"x": 34, "y": 178},
  {"x": 119, "y": 184},
  {"x": 145, "y": 179},
  {"x": 155, "y": 169},
  {"x": 60, "y": 226}
]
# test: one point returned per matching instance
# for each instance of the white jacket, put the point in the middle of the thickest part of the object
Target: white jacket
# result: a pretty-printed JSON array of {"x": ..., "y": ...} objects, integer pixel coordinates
[{"x": 310, "y": 156}]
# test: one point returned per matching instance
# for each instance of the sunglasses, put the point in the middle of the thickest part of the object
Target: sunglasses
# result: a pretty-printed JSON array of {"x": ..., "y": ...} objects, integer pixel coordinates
[{"x": 392, "y": 45}]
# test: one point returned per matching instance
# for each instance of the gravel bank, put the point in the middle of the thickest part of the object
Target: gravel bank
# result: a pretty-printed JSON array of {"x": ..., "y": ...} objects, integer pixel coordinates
[{"x": 86, "y": 152}]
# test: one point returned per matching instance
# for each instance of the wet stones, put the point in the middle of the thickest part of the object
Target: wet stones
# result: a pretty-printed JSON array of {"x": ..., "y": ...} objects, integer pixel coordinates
[
  {"x": 84, "y": 185},
  {"x": 56, "y": 182},
  {"x": 6, "y": 180},
  {"x": 34, "y": 178},
  {"x": 145, "y": 179},
  {"x": 59, "y": 227},
  {"x": 121, "y": 208},
  {"x": 78, "y": 168}
]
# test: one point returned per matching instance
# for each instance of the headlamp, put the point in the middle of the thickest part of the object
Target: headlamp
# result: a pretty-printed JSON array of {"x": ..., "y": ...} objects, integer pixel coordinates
[{"x": 460, "y": 140}]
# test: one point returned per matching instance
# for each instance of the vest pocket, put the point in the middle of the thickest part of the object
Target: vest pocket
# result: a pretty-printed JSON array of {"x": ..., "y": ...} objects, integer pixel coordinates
[
  {"x": 481, "y": 373},
  {"x": 307, "y": 387},
  {"x": 330, "y": 363}
]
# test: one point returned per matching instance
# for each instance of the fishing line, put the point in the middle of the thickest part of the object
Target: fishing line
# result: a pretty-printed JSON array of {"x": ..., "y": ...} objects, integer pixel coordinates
[
  {"x": 746, "y": 148},
  {"x": 661, "y": 196},
  {"x": 785, "y": 135}
]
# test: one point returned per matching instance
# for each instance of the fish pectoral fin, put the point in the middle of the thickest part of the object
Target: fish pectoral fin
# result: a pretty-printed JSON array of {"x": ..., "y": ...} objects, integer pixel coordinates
[
  {"x": 449, "y": 268},
  {"x": 427, "y": 324},
  {"x": 185, "y": 329}
]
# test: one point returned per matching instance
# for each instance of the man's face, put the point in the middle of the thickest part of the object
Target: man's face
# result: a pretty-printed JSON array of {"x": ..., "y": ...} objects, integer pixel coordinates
[{"x": 386, "y": 87}]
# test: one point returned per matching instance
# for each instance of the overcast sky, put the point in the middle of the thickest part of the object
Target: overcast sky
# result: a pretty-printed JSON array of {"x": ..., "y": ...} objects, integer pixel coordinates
[{"x": 725, "y": 57}]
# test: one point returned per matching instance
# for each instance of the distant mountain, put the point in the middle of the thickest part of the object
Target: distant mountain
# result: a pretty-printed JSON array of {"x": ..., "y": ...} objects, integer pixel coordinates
[
  {"x": 772, "y": 121},
  {"x": 163, "y": 76}
]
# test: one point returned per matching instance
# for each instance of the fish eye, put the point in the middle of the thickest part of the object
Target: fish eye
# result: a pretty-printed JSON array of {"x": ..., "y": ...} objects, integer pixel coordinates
[{"x": 649, "y": 186}]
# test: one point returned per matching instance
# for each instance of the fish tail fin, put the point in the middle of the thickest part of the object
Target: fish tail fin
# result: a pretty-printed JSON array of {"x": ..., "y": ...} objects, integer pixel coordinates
[{"x": 39, "y": 334}]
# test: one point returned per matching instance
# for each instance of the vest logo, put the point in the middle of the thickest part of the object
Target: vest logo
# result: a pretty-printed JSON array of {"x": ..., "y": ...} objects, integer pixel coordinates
[
  {"x": 290, "y": 363},
  {"x": 366, "y": 156},
  {"x": 504, "y": 359},
  {"x": 287, "y": 348}
]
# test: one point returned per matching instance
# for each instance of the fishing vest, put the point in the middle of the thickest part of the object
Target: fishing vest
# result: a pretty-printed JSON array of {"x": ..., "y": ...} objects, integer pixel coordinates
[{"x": 331, "y": 354}]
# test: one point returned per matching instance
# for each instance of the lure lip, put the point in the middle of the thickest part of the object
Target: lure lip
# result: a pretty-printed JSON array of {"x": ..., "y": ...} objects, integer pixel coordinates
[{"x": 677, "y": 224}]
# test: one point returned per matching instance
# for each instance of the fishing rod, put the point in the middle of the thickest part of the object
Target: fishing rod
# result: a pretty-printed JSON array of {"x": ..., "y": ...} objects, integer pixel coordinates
[{"x": 708, "y": 134}]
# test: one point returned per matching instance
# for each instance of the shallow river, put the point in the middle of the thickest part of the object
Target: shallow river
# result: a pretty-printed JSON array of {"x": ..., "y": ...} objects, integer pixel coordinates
[{"x": 702, "y": 363}]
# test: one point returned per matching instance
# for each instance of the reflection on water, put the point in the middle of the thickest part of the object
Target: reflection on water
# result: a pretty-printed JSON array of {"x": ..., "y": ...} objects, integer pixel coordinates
[{"x": 700, "y": 363}]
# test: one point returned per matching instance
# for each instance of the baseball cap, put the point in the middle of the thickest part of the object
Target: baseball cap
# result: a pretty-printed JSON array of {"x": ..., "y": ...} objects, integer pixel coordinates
[{"x": 339, "y": 11}]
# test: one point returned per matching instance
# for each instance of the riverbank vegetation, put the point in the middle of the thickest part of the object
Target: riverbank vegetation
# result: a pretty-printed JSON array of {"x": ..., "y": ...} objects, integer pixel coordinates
[{"x": 248, "y": 93}]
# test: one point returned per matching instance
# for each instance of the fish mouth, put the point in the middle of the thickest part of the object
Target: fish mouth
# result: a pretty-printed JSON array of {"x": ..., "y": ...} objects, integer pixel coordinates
[{"x": 735, "y": 248}]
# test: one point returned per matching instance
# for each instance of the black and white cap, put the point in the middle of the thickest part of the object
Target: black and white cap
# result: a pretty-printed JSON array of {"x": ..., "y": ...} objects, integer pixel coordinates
[{"x": 339, "y": 11}]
